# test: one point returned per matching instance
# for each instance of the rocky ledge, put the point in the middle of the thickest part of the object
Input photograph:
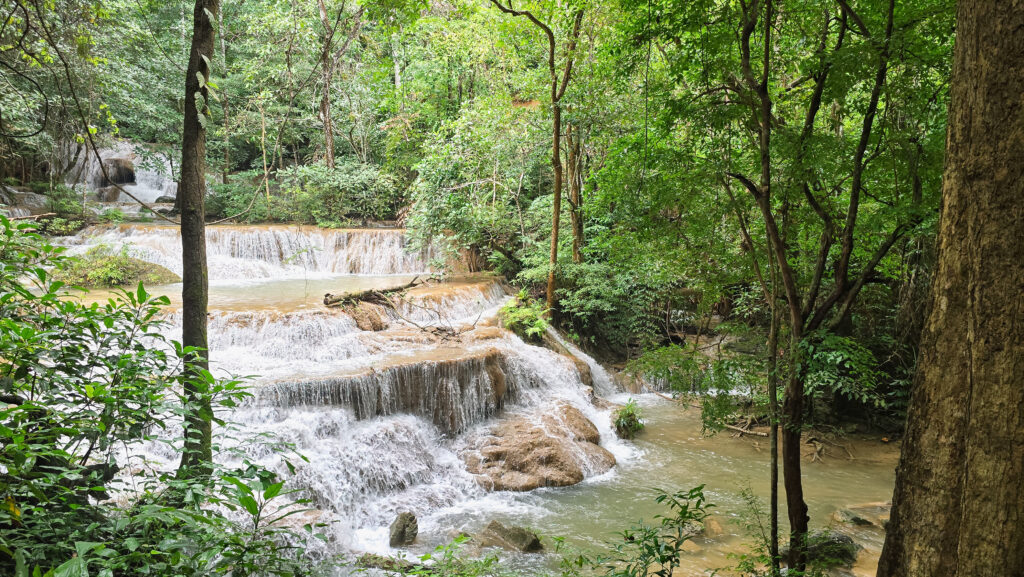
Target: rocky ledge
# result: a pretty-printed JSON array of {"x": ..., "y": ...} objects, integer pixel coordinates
[{"x": 526, "y": 452}]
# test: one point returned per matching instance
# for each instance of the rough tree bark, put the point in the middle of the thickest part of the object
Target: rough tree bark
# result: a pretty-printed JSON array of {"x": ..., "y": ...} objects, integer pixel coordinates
[
  {"x": 197, "y": 452},
  {"x": 958, "y": 507}
]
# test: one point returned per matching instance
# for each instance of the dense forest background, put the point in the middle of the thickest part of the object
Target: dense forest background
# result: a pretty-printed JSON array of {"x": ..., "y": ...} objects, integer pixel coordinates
[
  {"x": 654, "y": 176},
  {"x": 439, "y": 116}
]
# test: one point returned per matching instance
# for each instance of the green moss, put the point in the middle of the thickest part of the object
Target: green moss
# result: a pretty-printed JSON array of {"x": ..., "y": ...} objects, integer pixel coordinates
[{"x": 102, "y": 267}]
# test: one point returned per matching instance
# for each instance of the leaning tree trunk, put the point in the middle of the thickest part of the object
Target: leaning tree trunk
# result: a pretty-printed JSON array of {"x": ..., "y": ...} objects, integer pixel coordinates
[
  {"x": 958, "y": 508},
  {"x": 197, "y": 452}
]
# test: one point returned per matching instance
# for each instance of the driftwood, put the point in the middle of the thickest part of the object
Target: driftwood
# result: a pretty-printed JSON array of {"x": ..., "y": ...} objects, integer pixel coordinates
[
  {"x": 744, "y": 431},
  {"x": 32, "y": 216},
  {"x": 373, "y": 296}
]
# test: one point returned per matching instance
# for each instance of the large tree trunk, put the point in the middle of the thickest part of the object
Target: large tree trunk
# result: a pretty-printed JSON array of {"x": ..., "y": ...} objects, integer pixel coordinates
[
  {"x": 958, "y": 508},
  {"x": 197, "y": 452}
]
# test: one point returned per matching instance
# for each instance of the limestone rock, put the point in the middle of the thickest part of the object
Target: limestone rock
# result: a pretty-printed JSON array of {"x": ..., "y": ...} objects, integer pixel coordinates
[
  {"x": 108, "y": 194},
  {"x": 118, "y": 171},
  {"x": 524, "y": 453},
  {"x": 404, "y": 530},
  {"x": 166, "y": 199},
  {"x": 368, "y": 317},
  {"x": 510, "y": 538}
]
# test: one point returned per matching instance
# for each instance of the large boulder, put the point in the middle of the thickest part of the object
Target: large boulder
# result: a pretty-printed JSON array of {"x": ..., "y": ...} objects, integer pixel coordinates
[
  {"x": 864, "y": 515},
  {"x": 108, "y": 194},
  {"x": 404, "y": 530},
  {"x": 511, "y": 538},
  {"x": 165, "y": 199},
  {"x": 118, "y": 171},
  {"x": 525, "y": 452}
]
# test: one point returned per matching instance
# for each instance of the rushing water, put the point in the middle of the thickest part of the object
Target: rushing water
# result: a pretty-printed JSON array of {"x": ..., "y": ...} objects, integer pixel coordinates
[{"x": 385, "y": 416}]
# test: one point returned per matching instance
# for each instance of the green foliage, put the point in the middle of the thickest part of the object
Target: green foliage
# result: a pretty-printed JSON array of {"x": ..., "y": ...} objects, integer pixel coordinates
[
  {"x": 104, "y": 267},
  {"x": 65, "y": 202},
  {"x": 333, "y": 198},
  {"x": 628, "y": 420},
  {"x": 445, "y": 561},
  {"x": 85, "y": 387},
  {"x": 58, "y": 226},
  {"x": 111, "y": 216},
  {"x": 843, "y": 366},
  {"x": 525, "y": 317}
]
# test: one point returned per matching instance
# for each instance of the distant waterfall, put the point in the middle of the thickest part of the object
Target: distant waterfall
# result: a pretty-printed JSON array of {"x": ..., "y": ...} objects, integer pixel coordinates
[{"x": 269, "y": 252}]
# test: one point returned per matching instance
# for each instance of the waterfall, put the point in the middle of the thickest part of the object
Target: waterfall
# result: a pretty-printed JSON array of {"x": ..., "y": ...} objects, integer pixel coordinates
[
  {"x": 142, "y": 172},
  {"x": 604, "y": 385},
  {"x": 384, "y": 417},
  {"x": 270, "y": 252}
]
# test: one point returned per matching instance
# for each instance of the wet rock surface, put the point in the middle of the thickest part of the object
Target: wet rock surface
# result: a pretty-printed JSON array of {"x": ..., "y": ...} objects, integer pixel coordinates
[
  {"x": 526, "y": 452},
  {"x": 519, "y": 539},
  {"x": 403, "y": 530}
]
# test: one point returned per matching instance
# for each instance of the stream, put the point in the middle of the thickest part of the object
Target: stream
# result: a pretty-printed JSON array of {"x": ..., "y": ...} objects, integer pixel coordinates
[{"x": 386, "y": 417}]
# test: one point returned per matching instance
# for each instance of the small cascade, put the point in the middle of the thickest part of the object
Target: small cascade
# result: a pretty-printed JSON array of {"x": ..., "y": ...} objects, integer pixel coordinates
[
  {"x": 452, "y": 302},
  {"x": 452, "y": 393},
  {"x": 141, "y": 172},
  {"x": 604, "y": 384},
  {"x": 270, "y": 252}
]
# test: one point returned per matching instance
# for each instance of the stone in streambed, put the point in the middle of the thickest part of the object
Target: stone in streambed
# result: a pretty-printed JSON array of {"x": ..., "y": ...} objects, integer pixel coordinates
[
  {"x": 523, "y": 453},
  {"x": 510, "y": 538},
  {"x": 368, "y": 317},
  {"x": 404, "y": 530}
]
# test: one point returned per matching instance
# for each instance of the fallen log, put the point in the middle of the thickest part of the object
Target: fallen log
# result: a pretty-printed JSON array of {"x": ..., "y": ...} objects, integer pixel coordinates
[
  {"x": 375, "y": 296},
  {"x": 744, "y": 431}
]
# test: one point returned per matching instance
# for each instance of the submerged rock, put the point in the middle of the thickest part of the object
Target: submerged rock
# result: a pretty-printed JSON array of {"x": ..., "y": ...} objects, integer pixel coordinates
[
  {"x": 864, "y": 515},
  {"x": 373, "y": 561},
  {"x": 404, "y": 530},
  {"x": 522, "y": 454},
  {"x": 510, "y": 538}
]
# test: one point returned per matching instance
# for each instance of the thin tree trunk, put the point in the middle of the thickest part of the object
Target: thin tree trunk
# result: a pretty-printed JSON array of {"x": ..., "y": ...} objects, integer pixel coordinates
[
  {"x": 224, "y": 102},
  {"x": 574, "y": 171},
  {"x": 958, "y": 507},
  {"x": 197, "y": 454},
  {"x": 325, "y": 99},
  {"x": 556, "y": 206}
]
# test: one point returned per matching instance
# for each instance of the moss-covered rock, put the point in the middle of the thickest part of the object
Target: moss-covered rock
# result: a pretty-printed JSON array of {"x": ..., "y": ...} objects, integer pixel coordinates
[{"x": 103, "y": 268}]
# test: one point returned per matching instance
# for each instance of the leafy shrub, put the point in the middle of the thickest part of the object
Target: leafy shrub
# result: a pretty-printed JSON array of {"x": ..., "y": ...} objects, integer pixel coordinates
[
  {"x": 111, "y": 216},
  {"x": 65, "y": 201},
  {"x": 39, "y": 186},
  {"x": 333, "y": 198},
  {"x": 524, "y": 317},
  {"x": 58, "y": 226},
  {"x": 628, "y": 420},
  {"x": 83, "y": 385}
]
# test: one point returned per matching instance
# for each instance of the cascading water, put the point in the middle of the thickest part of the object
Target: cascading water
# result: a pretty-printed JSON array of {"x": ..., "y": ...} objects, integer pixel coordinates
[
  {"x": 383, "y": 417},
  {"x": 143, "y": 173},
  {"x": 270, "y": 252}
]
